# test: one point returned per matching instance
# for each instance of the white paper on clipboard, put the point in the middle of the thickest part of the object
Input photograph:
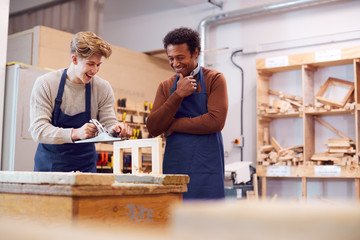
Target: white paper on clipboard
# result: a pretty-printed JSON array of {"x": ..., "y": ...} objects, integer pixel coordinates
[{"x": 102, "y": 137}]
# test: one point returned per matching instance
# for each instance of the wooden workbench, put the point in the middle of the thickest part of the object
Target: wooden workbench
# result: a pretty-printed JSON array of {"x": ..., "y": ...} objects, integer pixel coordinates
[{"x": 82, "y": 198}]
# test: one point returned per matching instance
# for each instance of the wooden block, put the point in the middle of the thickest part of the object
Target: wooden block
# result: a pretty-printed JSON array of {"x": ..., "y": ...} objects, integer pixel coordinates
[
  {"x": 324, "y": 157},
  {"x": 282, "y": 105},
  {"x": 266, "y": 135},
  {"x": 275, "y": 144},
  {"x": 271, "y": 110},
  {"x": 273, "y": 155},
  {"x": 266, "y": 148},
  {"x": 342, "y": 150},
  {"x": 295, "y": 103},
  {"x": 338, "y": 144}
]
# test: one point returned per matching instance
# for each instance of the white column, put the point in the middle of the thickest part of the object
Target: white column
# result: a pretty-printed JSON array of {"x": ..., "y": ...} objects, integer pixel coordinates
[{"x": 4, "y": 19}]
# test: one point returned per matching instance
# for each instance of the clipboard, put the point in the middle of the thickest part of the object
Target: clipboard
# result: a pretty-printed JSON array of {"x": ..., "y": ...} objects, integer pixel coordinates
[{"x": 102, "y": 137}]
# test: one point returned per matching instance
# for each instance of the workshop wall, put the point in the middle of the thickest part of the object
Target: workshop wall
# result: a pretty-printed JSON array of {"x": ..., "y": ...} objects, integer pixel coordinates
[
  {"x": 324, "y": 21},
  {"x": 303, "y": 29}
]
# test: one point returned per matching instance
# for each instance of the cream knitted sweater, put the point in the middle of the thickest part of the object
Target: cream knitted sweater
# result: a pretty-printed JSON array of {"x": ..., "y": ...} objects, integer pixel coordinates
[{"x": 42, "y": 103}]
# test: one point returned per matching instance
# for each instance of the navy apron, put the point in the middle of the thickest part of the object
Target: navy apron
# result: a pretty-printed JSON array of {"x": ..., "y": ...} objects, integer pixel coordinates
[
  {"x": 199, "y": 156},
  {"x": 67, "y": 157}
]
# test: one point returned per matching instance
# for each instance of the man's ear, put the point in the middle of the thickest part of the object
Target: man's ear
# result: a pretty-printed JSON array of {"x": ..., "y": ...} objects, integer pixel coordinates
[
  {"x": 196, "y": 53},
  {"x": 74, "y": 59}
]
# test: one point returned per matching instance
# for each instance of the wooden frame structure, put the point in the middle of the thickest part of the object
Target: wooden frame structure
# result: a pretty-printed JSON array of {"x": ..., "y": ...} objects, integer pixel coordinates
[
  {"x": 136, "y": 146},
  {"x": 333, "y": 83}
]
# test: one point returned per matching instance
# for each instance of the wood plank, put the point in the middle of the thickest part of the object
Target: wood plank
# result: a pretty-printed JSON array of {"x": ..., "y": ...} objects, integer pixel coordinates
[
  {"x": 121, "y": 189},
  {"x": 152, "y": 210},
  {"x": 338, "y": 111},
  {"x": 263, "y": 188},
  {"x": 308, "y": 172},
  {"x": 153, "y": 179},
  {"x": 275, "y": 144},
  {"x": 330, "y": 127},
  {"x": 256, "y": 185},
  {"x": 268, "y": 220},
  {"x": 266, "y": 148},
  {"x": 285, "y": 95},
  {"x": 357, "y": 189},
  {"x": 128, "y": 210},
  {"x": 304, "y": 188},
  {"x": 40, "y": 207},
  {"x": 58, "y": 178}
]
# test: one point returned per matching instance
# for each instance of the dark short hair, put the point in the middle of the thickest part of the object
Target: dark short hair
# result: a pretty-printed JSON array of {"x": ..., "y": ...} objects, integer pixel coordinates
[{"x": 183, "y": 35}]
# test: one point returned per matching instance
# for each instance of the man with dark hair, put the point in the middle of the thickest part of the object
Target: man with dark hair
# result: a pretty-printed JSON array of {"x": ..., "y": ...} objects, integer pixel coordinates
[{"x": 191, "y": 108}]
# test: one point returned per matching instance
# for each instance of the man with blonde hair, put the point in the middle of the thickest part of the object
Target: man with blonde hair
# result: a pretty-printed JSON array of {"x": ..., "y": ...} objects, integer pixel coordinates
[{"x": 62, "y": 103}]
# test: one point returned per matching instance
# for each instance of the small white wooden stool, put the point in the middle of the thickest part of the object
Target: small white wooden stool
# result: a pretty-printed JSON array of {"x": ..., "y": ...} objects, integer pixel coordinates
[{"x": 136, "y": 156}]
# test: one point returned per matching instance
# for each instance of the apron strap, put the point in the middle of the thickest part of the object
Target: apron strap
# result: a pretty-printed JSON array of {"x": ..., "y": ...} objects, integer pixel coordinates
[
  {"x": 58, "y": 99},
  {"x": 88, "y": 99}
]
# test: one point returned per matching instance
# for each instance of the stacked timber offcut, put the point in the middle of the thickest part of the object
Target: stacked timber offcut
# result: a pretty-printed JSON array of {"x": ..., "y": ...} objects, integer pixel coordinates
[
  {"x": 284, "y": 103},
  {"x": 320, "y": 107},
  {"x": 274, "y": 154},
  {"x": 340, "y": 151}
]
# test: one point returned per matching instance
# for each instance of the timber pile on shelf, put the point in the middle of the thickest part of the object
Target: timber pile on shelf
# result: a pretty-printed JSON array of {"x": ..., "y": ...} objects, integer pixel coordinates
[
  {"x": 340, "y": 152},
  {"x": 274, "y": 154},
  {"x": 319, "y": 107},
  {"x": 284, "y": 103}
]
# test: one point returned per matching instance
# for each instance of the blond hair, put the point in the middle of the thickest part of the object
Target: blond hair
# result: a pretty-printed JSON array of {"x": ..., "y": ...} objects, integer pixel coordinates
[{"x": 86, "y": 44}]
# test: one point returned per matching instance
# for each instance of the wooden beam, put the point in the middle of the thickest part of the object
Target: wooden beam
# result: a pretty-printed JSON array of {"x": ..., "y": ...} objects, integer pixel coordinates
[
  {"x": 357, "y": 189},
  {"x": 281, "y": 94},
  {"x": 263, "y": 187},
  {"x": 255, "y": 183},
  {"x": 304, "y": 188},
  {"x": 330, "y": 127},
  {"x": 276, "y": 145}
]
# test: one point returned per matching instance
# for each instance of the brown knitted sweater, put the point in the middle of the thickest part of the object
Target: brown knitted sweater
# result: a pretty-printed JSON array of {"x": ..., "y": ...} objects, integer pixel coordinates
[{"x": 161, "y": 119}]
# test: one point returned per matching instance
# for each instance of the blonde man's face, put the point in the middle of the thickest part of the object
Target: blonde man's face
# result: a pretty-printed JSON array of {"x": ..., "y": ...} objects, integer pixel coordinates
[{"x": 86, "y": 68}]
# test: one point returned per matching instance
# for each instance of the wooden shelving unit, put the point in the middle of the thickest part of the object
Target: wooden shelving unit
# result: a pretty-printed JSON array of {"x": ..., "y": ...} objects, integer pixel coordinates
[{"x": 303, "y": 75}]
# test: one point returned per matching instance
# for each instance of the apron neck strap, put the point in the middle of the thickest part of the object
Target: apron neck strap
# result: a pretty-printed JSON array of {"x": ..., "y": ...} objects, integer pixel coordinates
[{"x": 58, "y": 99}]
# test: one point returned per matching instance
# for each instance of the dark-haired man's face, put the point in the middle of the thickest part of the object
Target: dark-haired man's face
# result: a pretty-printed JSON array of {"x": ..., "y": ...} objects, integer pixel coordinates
[{"x": 180, "y": 58}]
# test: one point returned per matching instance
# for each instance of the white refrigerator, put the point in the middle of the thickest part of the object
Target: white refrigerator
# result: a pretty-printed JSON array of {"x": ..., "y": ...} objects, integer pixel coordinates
[{"x": 18, "y": 148}]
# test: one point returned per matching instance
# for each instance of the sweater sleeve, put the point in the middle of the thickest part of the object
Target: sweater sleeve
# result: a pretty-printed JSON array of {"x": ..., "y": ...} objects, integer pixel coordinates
[
  {"x": 214, "y": 120},
  {"x": 106, "y": 114},
  {"x": 41, "y": 109},
  {"x": 163, "y": 111}
]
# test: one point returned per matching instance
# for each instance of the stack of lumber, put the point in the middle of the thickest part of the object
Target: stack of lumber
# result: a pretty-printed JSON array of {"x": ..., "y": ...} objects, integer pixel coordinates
[
  {"x": 284, "y": 103},
  {"x": 274, "y": 154},
  {"x": 318, "y": 107},
  {"x": 340, "y": 151}
]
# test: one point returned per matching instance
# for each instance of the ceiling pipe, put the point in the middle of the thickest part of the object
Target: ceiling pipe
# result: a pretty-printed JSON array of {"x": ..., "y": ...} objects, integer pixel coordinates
[{"x": 242, "y": 14}]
